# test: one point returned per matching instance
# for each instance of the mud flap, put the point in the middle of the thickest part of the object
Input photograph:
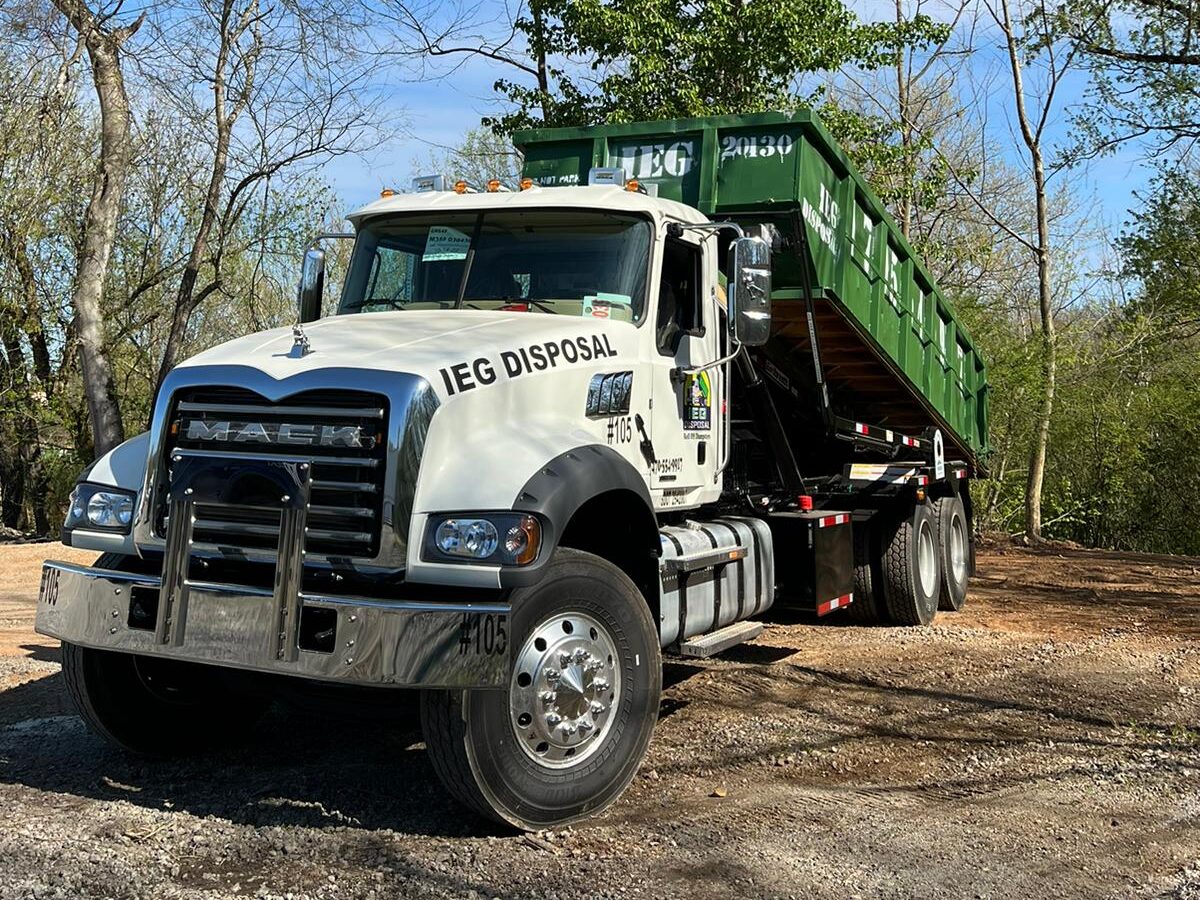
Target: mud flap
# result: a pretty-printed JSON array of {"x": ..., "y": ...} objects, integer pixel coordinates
[{"x": 814, "y": 559}]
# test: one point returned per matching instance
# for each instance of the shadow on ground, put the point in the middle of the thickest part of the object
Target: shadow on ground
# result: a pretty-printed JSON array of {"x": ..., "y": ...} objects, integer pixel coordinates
[{"x": 306, "y": 764}]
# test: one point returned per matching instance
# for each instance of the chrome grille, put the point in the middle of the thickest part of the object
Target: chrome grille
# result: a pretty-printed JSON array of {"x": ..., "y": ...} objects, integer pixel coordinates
[{"x": 346, "y": 499}]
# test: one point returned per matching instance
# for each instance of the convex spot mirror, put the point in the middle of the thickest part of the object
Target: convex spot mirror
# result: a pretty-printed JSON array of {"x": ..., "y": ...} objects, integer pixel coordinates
[
  {"x": 312, "y": 285},
  {"x": 750, "y": 291}
]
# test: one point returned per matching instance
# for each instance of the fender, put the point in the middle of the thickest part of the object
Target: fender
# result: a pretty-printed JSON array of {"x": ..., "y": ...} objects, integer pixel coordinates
[{"x": 561, "y": 487}]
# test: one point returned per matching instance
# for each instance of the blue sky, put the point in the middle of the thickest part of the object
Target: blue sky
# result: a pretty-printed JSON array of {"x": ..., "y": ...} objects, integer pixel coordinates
[{"x": 436, "y": 113}]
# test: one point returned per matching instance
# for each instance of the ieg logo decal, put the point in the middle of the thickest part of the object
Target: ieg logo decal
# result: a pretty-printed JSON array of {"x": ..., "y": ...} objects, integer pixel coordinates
[{"x": 657, "y": 160}]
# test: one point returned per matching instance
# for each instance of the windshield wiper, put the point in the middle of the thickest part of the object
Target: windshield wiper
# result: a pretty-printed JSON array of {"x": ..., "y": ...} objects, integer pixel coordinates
[{"x": 462, "y": 285}]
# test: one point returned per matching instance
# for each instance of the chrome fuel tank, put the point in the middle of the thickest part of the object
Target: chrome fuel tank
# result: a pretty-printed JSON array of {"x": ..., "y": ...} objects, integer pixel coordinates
[{"x": 713, "y": 573}]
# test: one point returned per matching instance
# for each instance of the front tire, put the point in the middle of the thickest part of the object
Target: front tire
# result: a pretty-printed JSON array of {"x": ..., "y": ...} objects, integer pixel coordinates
[
  {"x": 152, "y": 706},
  {"x": 156, "y": 707},
  {"x": 567, "y": 735}
]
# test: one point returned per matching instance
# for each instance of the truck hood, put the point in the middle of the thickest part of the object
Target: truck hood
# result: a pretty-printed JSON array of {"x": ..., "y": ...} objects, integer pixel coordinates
[{"x": 422, "y": 342}]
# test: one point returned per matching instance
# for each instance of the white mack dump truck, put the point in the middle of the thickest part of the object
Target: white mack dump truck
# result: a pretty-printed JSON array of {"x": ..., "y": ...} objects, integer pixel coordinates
[{"x": 550, "y": 434}]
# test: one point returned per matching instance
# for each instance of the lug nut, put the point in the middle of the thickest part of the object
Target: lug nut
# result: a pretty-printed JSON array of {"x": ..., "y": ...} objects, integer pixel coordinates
[
  {"x": 553, "y": 719},
  {"x": 552, "y": 675},
  {"x": 595, "y": 665},
  {"x": 581, "y": 655},
  {"x": 585, "y": 727},
  {"x": 600, "y": 684},
  {"x": 569, "y": 728},
  {"x": 548, "y": 696},
  {"x": 597, "y": 708},
  {"x": 564, "y": 659}
]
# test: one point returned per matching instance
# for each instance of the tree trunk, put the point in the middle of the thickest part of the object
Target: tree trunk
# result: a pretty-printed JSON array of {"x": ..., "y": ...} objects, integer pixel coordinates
[
  {"x": 224, "y": 118},
  {"x": 185, "y": 297},
  {"x": 1047, "y": 343},
  {"x": 908, "y": 172},
  {"x": 1048, "y": 347},
  {"x": 100, "y": 221}
]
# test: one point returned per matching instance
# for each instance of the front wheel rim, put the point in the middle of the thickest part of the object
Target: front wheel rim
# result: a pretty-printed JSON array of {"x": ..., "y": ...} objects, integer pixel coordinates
[{"x": 566, "y": 684}]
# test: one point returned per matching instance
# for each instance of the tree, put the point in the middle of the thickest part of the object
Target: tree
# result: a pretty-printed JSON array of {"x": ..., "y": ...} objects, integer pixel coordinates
[
  {"x": 1161, "y": 251},
  {"x": 1033, "y": 110},
  {"x": 579, "y": 62},
  {"x": 104, "y": 42},
  {"x": 232, "y": 65},
  {"x": 1145, "y": 65},
  {"x": 480, "y": 157}
]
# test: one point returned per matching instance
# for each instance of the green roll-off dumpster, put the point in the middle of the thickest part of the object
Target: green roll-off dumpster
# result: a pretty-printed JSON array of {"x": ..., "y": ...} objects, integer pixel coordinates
[{"x": 892, "y": 348}]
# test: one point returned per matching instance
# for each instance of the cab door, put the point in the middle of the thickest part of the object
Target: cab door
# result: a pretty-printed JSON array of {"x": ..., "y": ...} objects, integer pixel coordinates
[{"x": 686, "y": 426}]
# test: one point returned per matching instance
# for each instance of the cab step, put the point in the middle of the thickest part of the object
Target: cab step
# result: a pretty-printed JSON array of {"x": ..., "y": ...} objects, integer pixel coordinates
[{"x": 705, "y": 645}]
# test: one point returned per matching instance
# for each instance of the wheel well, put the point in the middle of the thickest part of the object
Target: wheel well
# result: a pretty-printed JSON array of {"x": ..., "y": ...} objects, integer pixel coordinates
[{"x": 617, "y": 525}]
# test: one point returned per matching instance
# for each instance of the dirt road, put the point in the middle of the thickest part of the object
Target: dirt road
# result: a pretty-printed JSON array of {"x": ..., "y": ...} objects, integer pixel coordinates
[{"x": 1045, "y": 742}]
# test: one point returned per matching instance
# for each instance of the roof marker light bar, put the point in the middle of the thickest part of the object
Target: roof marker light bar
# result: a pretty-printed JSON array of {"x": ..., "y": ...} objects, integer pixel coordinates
[
  {"x": 614, "y": 176},
  {"x": 423, "y": 184}
]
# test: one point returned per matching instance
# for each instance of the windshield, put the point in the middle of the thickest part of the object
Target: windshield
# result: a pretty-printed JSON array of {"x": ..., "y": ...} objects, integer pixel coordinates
[{"x": 570, "y": 263}]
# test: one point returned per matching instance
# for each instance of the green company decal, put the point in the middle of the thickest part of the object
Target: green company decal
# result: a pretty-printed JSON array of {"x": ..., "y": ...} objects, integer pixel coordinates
[{"x": 697, "y": 403}]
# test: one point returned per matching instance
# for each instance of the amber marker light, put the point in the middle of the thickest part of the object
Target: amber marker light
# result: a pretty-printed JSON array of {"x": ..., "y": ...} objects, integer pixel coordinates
[
  {"x": 493, "y": 185},
  {"x": 526, "y": 183},
  {"x": 387, "y": 192},
  {"x": 523, "y": 541},
  {"x": 460, "y": 187}
]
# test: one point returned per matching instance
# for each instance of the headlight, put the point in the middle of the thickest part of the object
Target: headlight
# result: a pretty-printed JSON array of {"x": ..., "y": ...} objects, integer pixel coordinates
[
  {"x": 498, "y": 539},
  {"x": 104, "y": 508}
]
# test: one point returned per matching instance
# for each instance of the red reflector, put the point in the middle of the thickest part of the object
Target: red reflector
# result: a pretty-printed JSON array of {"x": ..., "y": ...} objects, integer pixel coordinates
[{"x": 805, "y": 502}]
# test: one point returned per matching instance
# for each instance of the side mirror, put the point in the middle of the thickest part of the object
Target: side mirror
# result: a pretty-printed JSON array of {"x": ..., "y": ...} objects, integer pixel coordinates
[
  {"x": 750, "y": 291},
  {"x": 312, "y": 285}
]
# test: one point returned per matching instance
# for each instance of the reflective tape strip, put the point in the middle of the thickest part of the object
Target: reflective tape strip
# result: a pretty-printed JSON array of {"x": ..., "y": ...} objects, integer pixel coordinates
[
  {"x": 861, "y": 428},
  {"x": 830, "y": 521},
  {"x": 922, "y": 480},
  {"x": 836, "y": 603},
  {"x": 881, "y": 472}
]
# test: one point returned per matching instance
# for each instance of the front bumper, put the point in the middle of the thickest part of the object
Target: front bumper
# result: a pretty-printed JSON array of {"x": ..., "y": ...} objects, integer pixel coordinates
[{"x": 406, "y": 643}]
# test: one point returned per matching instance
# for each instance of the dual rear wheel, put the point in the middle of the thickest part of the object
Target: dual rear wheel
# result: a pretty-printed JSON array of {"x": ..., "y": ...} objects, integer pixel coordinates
[{"x": 910, "y": 562}]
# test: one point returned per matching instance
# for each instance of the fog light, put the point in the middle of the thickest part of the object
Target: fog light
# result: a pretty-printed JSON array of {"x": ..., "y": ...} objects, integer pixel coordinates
[{"x": 472, "y": 538}]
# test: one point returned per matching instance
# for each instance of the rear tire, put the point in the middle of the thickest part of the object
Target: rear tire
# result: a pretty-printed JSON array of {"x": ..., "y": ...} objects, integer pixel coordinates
[
  {"x": 585, "y": 657},
  {"x": 911, "y": 570},
  {"x": 868, "y": 607},
  {"x": 954, "y": 549}
]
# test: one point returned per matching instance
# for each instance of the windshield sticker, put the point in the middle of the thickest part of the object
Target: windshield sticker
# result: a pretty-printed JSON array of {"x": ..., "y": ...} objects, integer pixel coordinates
[
  {"x": 482, "y": 371},
  {"x": 445, "y": 243},
  {"x": 600, "y": 305},
  {"x": 697, "y": 403}
]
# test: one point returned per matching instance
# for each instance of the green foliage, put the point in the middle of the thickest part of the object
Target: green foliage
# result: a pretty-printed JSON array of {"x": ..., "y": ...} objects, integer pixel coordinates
[
  {"x": 1145, "y": 72},
  {"x": 1160, "y": 253},
  {"x": 47, "y": 145},
  {"x": 631, "y": 60}
]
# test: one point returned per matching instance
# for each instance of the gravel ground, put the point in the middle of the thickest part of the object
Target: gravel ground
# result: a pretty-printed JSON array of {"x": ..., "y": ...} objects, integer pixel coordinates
[{"x": 1045, "y": 742}]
